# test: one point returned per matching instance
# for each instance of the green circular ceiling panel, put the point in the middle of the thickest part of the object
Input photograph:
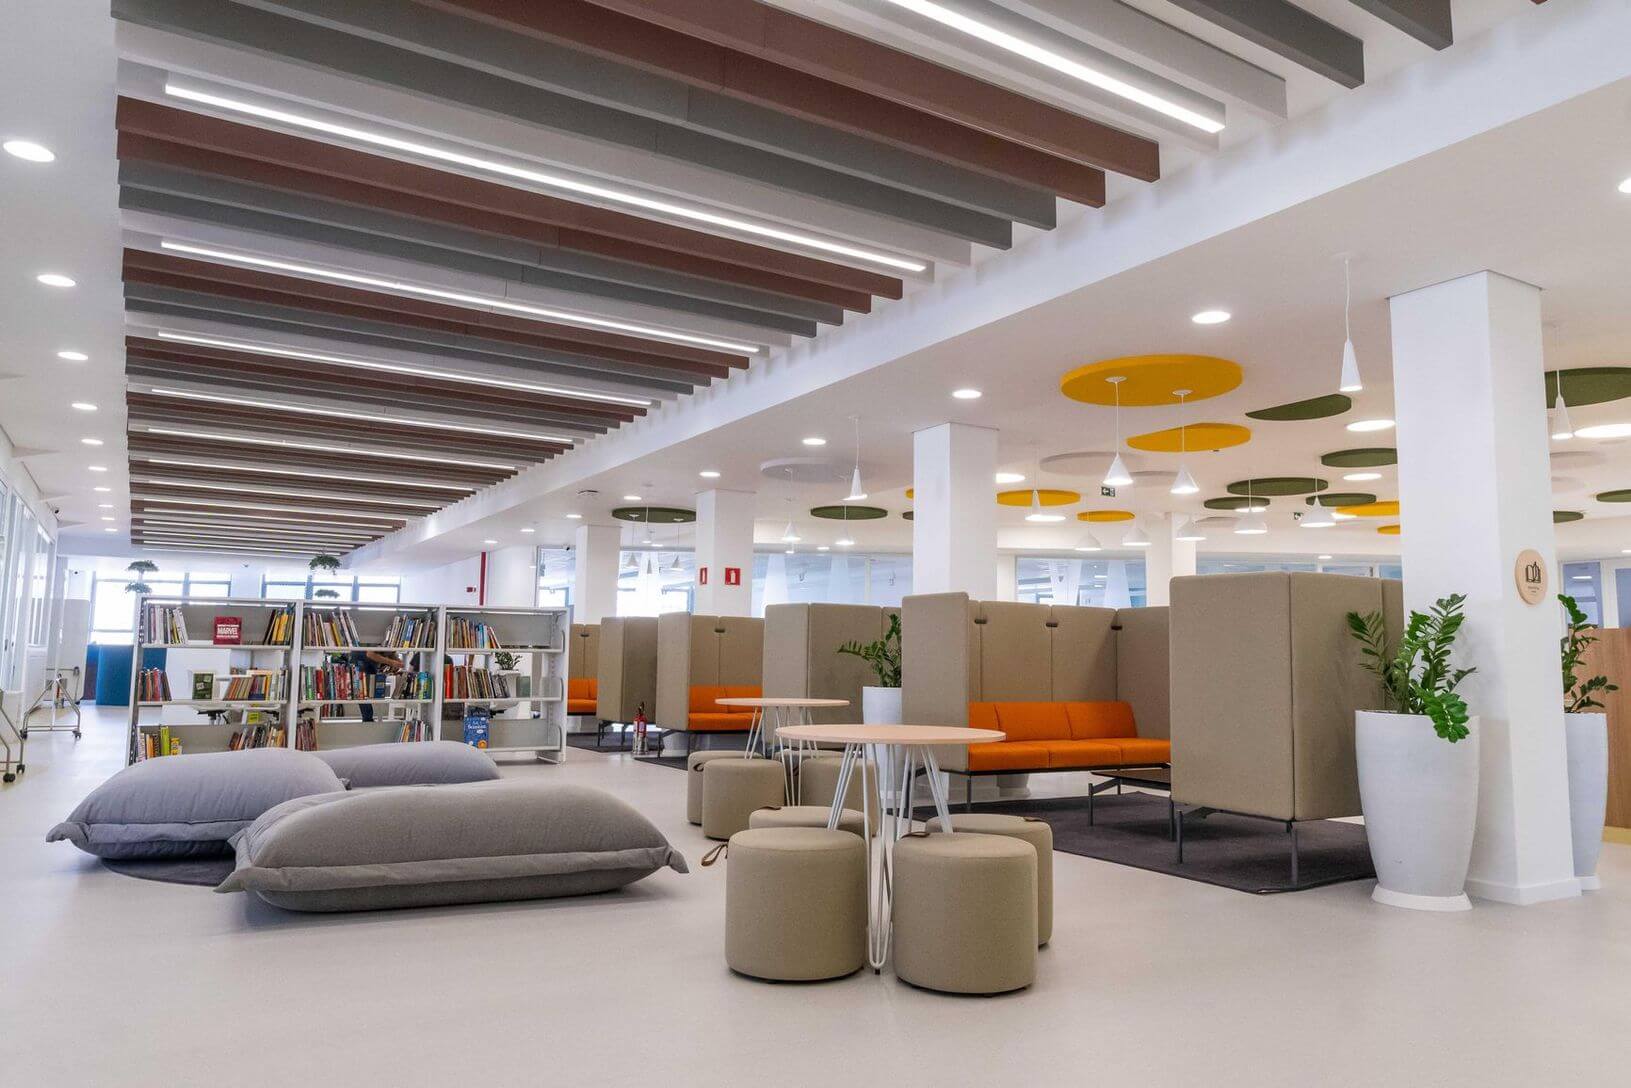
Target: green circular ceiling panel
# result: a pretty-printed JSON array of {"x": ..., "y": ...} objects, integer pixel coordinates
[
  {"x": 849, "y": 512},
  {"x": 1559, "y": 516},
  {"x": 907, "y": 514},
  {"x": 1371, "y": 457},
  {"x": 1589, "y": 385},
  {"x": 1622, "y": 495},
  {"x": 1232, "y": 503},
  {"x": 1333, "y": 404},
  {"x": 1341, "y": 498},
  {"x": 656, "y": 515},
  {"x": 1278, "y": 485}
]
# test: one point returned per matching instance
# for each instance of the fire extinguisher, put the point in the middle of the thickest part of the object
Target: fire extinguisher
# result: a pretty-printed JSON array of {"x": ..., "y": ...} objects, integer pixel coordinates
[{"x": 640, "y": 730}]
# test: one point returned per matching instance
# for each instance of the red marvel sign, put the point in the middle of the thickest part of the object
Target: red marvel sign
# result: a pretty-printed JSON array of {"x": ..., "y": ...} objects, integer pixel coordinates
[
  {"x": 733, "y": 576},
  {"x": 229, "y": 630}
]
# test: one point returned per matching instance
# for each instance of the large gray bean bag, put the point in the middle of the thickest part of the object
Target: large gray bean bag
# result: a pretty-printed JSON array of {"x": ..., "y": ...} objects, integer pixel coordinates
[
  {"x": 189, "y": 806},
  {"x": 414, "y": 846},
  {"x": 421, "y": 763}
]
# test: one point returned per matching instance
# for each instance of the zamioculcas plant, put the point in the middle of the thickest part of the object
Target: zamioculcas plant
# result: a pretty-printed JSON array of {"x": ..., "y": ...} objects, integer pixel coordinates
[
  {"x": 1579, "y": 695},
  {"x": 1416, "y": 677},
  {"x": 883, "y": 655}
]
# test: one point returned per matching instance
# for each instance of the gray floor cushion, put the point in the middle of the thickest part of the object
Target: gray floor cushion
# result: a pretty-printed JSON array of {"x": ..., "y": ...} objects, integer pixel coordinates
[
  {"x": 190, "y": 806},
  {"x": 416, "y": 846},
  {"x": 422, "y": 763}
]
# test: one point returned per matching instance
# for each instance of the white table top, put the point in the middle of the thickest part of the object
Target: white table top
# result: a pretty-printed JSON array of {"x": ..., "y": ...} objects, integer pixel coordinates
[
  {"x": 909, "y": 735},
  {"x": 789, "y": 701}
]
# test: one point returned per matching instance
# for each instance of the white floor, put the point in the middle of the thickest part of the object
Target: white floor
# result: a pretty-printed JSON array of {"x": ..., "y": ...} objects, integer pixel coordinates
[{"x": 105, "y": 980}]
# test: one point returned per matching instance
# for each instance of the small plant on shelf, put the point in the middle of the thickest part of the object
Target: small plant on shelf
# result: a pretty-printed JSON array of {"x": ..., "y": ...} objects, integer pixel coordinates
[
  {"x": 506, "y": 661},
  {"x": 883, "y": 655},
  {"x": 1579, "y": 695},
  {"x": 1416, "y": 677},
  {"x": 324, "y": 562}
]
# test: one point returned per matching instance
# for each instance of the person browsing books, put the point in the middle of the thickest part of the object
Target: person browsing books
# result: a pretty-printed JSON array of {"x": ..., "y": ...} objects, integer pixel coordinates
[{"x": 371, "y": 663}]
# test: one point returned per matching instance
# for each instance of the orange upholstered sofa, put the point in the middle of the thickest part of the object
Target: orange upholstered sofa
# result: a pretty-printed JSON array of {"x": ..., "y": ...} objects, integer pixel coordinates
[
  {"x": 1062, "y": 736},
  {"x": 581, "y": 695},
  {"x": 707, "y": 716}
]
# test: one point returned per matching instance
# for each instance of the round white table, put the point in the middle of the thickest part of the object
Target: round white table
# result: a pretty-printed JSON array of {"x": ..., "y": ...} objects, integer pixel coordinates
[
  {"x": 785, "y": 709},
  {"x": 897, "y": 751}
]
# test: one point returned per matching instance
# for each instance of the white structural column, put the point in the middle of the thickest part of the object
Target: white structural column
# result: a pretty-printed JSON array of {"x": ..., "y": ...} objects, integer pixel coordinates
[
  {"x": 594, "y": 574},
  {"x": 725, "y": 543},
  {"x": 1007, "y": 577},
  {"x": 1165, "y": 559},
  {"x": 954, "y": 525},
  {"x": 1475, "y": 491}
]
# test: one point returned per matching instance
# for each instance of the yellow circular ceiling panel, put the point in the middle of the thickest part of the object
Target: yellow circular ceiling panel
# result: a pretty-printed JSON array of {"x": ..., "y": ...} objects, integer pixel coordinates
[
  {"x": 911, "y": 492},
  {"x": 1105, "y": 515},
  {"x": 1150, "y": 379},
  {"x": 1388, "y": 508},
  {"x": 1388, "y": 530},
  {"x": 1193, "y": 438},
  {"x": 1046, "y": 496}
]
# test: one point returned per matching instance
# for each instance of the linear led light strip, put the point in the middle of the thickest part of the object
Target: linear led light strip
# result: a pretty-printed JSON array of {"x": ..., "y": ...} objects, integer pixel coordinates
[
  {"x": 394, "y": 368},
  {"x": 243, "y": 538},
  {"x": 279, "y": 470},
  {"x": 553, "y": 181},
  {"x": 260, "y": 521},
  {"x": 1059, "y": 63},
  {"x": 166, "y": 525},
  {"x": 338, "y": 413},
  {"x": 241, "y": 549},
  {"x": 318, "y": 447},
  {"x": 287, "y": 492},
  {"x": 284, "y": 507}
]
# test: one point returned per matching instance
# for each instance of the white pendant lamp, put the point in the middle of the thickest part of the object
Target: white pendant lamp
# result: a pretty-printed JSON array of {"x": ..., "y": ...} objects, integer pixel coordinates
[
  {"x": 1183, "y": 483},
  {"x": 1252, "y": 524},
  {"x": 845, "y": 541},
  {"x": 1136, "y": 538},
  {"x": 790, "y": 535},
  {"x": 1118, "y": 476},
  {"x": 1350, "y": 362},
  {"x": 1089, "y": 543},
  {"x": 1189, "y": 531},
  {"x": 1318, "y": 518},
  {"x": 1562, "y": 429},
  {"x": 856, "y": 491},
  {"x": 1037, "y": 514}
]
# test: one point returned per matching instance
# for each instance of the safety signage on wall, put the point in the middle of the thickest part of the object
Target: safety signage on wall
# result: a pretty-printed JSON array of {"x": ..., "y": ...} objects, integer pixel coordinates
[{"x": 733, "y": 576}]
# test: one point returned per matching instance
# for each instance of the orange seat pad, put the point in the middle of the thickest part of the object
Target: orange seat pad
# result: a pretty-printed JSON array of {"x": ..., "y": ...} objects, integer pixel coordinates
[
  {"x": 1083, "y": 753},
  {"x": 702, "y": 698},
  {"x": 718, "y": 723},
  {"x": 581, "y": 706},
  {"x": 1062, "y": 736},
  {"x": 1143, "y": 749},
  {"x": 1099, "y": 721},
  {"x": 1008, "y": 756}
]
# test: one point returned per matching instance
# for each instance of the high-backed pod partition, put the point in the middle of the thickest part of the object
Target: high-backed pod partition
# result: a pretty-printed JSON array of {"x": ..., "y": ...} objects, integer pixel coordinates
[
  {"x": 627, "y": 676},
  {"x": 1073, "y": 688},
  {"x": 1265, "y": 682},
  {"x": 704, "y": 658},
  {"x": 801, "y": 658},
  {"x": 583, "y": 676}
]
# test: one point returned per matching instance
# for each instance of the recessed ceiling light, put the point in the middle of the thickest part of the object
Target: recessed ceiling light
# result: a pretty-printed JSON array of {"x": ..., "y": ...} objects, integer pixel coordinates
[
  {"x": 1370, "y": 425},
  {"x": 83, "y": 406},
  {"x": 1010, "y": 477},
  {"x": 631, "y": 498},
  {"x": 1625, "y": 186},
  {"x": 103, "y": 490},
  {"x": 708, "y": 474},
  {"x": 967, "y": 394},
  {"x": 1582, "y": 577},
  {"x": 1360, "y": 477},
  {"x": 1605, "y": 430},
  {"x": 29, "y": 151},
  {"x": 814, "y": 440},
  {"x": 108, "y": 519},
  {"x": 574, "y": 517},
  {"x": 73, "y": 356},
  {"x": 54, "y": 279},
  {"x": 489, "y": 542},
  {"x": 529, "y": 529},
  {"x": 553, "y": 181},
  {"x": 91, "y": 441},
  {"x": 97, "y": 468},
  {"x": 822, "y": 548},
  {"x": 1323, "y": 557},
  {"x": 1211, "y": 317},
  {"x": 104, "y": 506}
]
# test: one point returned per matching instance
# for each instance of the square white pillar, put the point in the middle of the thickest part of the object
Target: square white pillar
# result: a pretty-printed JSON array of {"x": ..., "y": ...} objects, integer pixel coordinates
[
  {"x": 594, "y": 572},
  {"x": 1475, "y": 491},
  {"x": 954, "y": 525},
  {"x": 1165, "y": 559},
  {"x": 725, "y": 544}
]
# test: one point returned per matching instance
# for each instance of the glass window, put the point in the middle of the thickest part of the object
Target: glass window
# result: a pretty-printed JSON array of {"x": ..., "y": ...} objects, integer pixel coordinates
[
  {"x": 652, "y": 582},
  {"x": 1095, "y": 583},
  {"x": 557, "y": 567},
  {"x": 1584, "y": 582},
  {"x": 39, "y": 598},
  {"x": 294, "y": 584},
  {"x": 113, "y": 611}
]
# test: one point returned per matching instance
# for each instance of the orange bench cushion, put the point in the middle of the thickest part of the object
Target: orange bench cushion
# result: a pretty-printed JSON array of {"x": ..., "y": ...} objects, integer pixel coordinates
[
  {"x": 1057, "y": 736},
  {"x": 1098, "y": 721},
  {"x": 581, "y": 694},
  {"x": 1008, "y": 756},
  {"x": 705, "y": 715}
]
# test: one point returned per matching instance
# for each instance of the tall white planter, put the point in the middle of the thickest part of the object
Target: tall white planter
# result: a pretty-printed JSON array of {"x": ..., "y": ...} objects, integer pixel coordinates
[
  {"x": 1420, "y": 795},
  {"x": 880, "y": 706},
  {"x": 1587, "y": 738}
]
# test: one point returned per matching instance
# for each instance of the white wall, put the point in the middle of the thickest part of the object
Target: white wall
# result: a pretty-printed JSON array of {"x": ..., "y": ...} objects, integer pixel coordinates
[
  {"x": 454, "y": 583},
  {"x": 512, "y": 576}
]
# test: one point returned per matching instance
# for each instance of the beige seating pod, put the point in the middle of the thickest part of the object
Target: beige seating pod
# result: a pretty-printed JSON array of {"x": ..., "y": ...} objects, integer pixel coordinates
[
  {"x": 694, "y": 780},
  {"x": 701, "y": 659},
  {"x": 849, "y": 820},
  {"x": 733, "y": 788},
  {"x": 1035, "y": 832},
  {"x": 583, "y": 670},
  {"x": 627, "y": 660},
  {"x": 801, "y": 655},
  {"x": 965, "y": 913},
  {"x": 795, "y": 903}
]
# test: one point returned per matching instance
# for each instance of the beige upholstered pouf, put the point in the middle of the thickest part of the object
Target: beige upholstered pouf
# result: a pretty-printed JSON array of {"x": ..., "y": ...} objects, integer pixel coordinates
[
  {"x": 818, "y": 781},
  {"x": 965, "y": 913},
  {"x": 805, "y": 816},
  {"x": 795, "y": 903},
  {"x": 1035, "y": 832},
  {"x": 693, "y": 781},
  {"x": 733, "y": 788}
]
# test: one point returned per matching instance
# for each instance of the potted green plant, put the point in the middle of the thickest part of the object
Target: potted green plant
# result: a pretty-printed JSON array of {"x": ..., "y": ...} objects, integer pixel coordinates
[
  {"x": 138, "y": 587},
  {"x": 324, "y": 562},
  {"x": 880, "y": 703},
  {"x": 1418, "y": 760},
  {"x": 1585, "y": 733},
  {"x": 509, "y": 665},
  {"x": 142, "y": 567},
  {"x": 324, "y": 594}
]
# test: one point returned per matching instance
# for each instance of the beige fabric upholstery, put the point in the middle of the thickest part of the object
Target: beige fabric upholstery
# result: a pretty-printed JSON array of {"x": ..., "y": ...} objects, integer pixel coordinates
[
  {"x": 709, "y": 651},
  {"x": 628, "y": 668},
  {"x": 1265, "y": 682},
  {"x": 583, "y": 652},
  {"x": 693, "y": 780},
  {"x": 1035, "y": 832},
  {"x": 806, "y": 816},
  {"x": 733, "y": 788},
  {"x": 801, "y": 655},
  {"x": 818, "y": 781},
  {"x": 1143, "y": 679},
  {"x": 965, "y": 913},
  {"x": 795, "y": 903}
]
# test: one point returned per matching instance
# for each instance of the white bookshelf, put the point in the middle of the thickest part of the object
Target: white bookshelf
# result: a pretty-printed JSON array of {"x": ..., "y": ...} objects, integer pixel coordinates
[
  {"x": 339, "y": 724},
  {"x": 531, "y": 722}
]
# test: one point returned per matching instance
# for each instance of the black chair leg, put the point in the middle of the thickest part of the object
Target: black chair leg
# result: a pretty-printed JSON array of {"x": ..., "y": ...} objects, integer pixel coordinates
[
  {"x": 1178, "y": 834},
  {"x": 1291, "y": 828},
  {"x": 1090, "y": 793},
  {"x": 968, "y": 793},
  {"x": 1172, "y": 822}
]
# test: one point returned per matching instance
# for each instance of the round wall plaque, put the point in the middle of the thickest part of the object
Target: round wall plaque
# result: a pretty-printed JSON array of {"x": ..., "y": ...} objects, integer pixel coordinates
[{"x": 1530, "y": 574}]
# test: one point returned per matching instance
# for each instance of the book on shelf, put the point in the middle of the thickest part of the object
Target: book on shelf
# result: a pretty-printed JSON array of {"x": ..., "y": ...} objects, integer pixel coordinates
[
  {"x": 257, "y": 685},
  {"x": 279, "y": 627},
  {"x": 468, "y": 634},
  {"x": 414, "y": 731},
  {"x": 411, "y": 631},
  {"x": 159, "y": 743},
  {"x": 203, "y": 684},
  {"x": 344, "y": 683},
  {"x": 164, "y": 623},
  {"x": 152, "y": 686},
  {"x": 478, "y": 727},
  {"x": 464, "y": 682},
  {"x": 227, "y": 630},
  {"x": 305, "y": 732},
  {"x": 265, "y": 735},
  {"x": 330, "y": 627}
]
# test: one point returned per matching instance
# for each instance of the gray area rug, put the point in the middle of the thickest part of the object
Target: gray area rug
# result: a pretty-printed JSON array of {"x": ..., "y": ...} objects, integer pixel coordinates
[
  {"x": 203, "y": 872},
  {"x": 1239, "y": 852}
]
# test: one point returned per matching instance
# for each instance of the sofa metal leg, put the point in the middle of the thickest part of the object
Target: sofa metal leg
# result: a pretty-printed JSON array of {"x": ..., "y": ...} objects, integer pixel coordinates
[
  {"x": 968, "y": 793},
  {"x": 1172, "y": 820},
  {"x": 1178, "y": 833},
  {"x": 1090, "y": 792},
  {"x": 1291, "y": 828}
]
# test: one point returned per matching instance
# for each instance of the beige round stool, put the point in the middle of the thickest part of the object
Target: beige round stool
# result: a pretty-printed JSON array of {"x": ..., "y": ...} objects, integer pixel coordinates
[
  {"x": 818, "y": 781},
  {"x": 965, "y": 913},
  {"x": 795, "y": 903},
  {"x": 733, "y": 788},
  {"x": 1035, "y": 832},
  {"x": 693, "y": 781},
  {"x": 805, "y": 816}
]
